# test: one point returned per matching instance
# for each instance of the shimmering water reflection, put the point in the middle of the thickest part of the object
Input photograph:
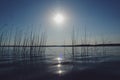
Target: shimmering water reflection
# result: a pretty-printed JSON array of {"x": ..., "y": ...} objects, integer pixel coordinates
[{"x": 58, "y": 65}]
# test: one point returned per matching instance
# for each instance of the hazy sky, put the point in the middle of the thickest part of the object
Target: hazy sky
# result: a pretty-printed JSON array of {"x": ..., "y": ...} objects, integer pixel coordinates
[{"x": 101, "y": 18}]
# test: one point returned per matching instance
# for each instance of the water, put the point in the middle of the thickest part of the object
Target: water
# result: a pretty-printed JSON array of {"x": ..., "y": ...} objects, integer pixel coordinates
[{"x": 93, "y": 63}]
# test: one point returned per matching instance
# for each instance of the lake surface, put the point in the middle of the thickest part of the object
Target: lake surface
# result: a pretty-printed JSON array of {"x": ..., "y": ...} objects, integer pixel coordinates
[{"x": 80, "y": 63}]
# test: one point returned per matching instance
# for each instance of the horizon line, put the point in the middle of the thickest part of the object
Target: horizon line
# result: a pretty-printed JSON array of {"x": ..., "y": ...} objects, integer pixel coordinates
[{"x": 77, "y": 45}]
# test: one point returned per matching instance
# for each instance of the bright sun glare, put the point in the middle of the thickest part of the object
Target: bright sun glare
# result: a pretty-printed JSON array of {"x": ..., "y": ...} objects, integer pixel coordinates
[{"x": 59, "y": 18}]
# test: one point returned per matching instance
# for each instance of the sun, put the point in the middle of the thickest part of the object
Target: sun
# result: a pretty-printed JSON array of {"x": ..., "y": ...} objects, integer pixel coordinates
[{"x": 59, "y": 18}]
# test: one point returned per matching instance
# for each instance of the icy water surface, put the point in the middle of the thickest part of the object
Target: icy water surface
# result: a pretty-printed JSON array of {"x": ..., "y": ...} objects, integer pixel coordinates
[{"x": 93, "y": 63}]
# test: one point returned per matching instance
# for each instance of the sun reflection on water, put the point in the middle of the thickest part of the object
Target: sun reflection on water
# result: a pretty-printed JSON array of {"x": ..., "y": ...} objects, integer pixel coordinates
[
  {"x": 60, "y": 72},
  {"x": 59, "y": 59},
  {"x": 59, "y": 65}
]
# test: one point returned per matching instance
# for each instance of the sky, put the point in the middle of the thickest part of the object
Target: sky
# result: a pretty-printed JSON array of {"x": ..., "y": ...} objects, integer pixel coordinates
[{"x": 99, "y": 18}]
